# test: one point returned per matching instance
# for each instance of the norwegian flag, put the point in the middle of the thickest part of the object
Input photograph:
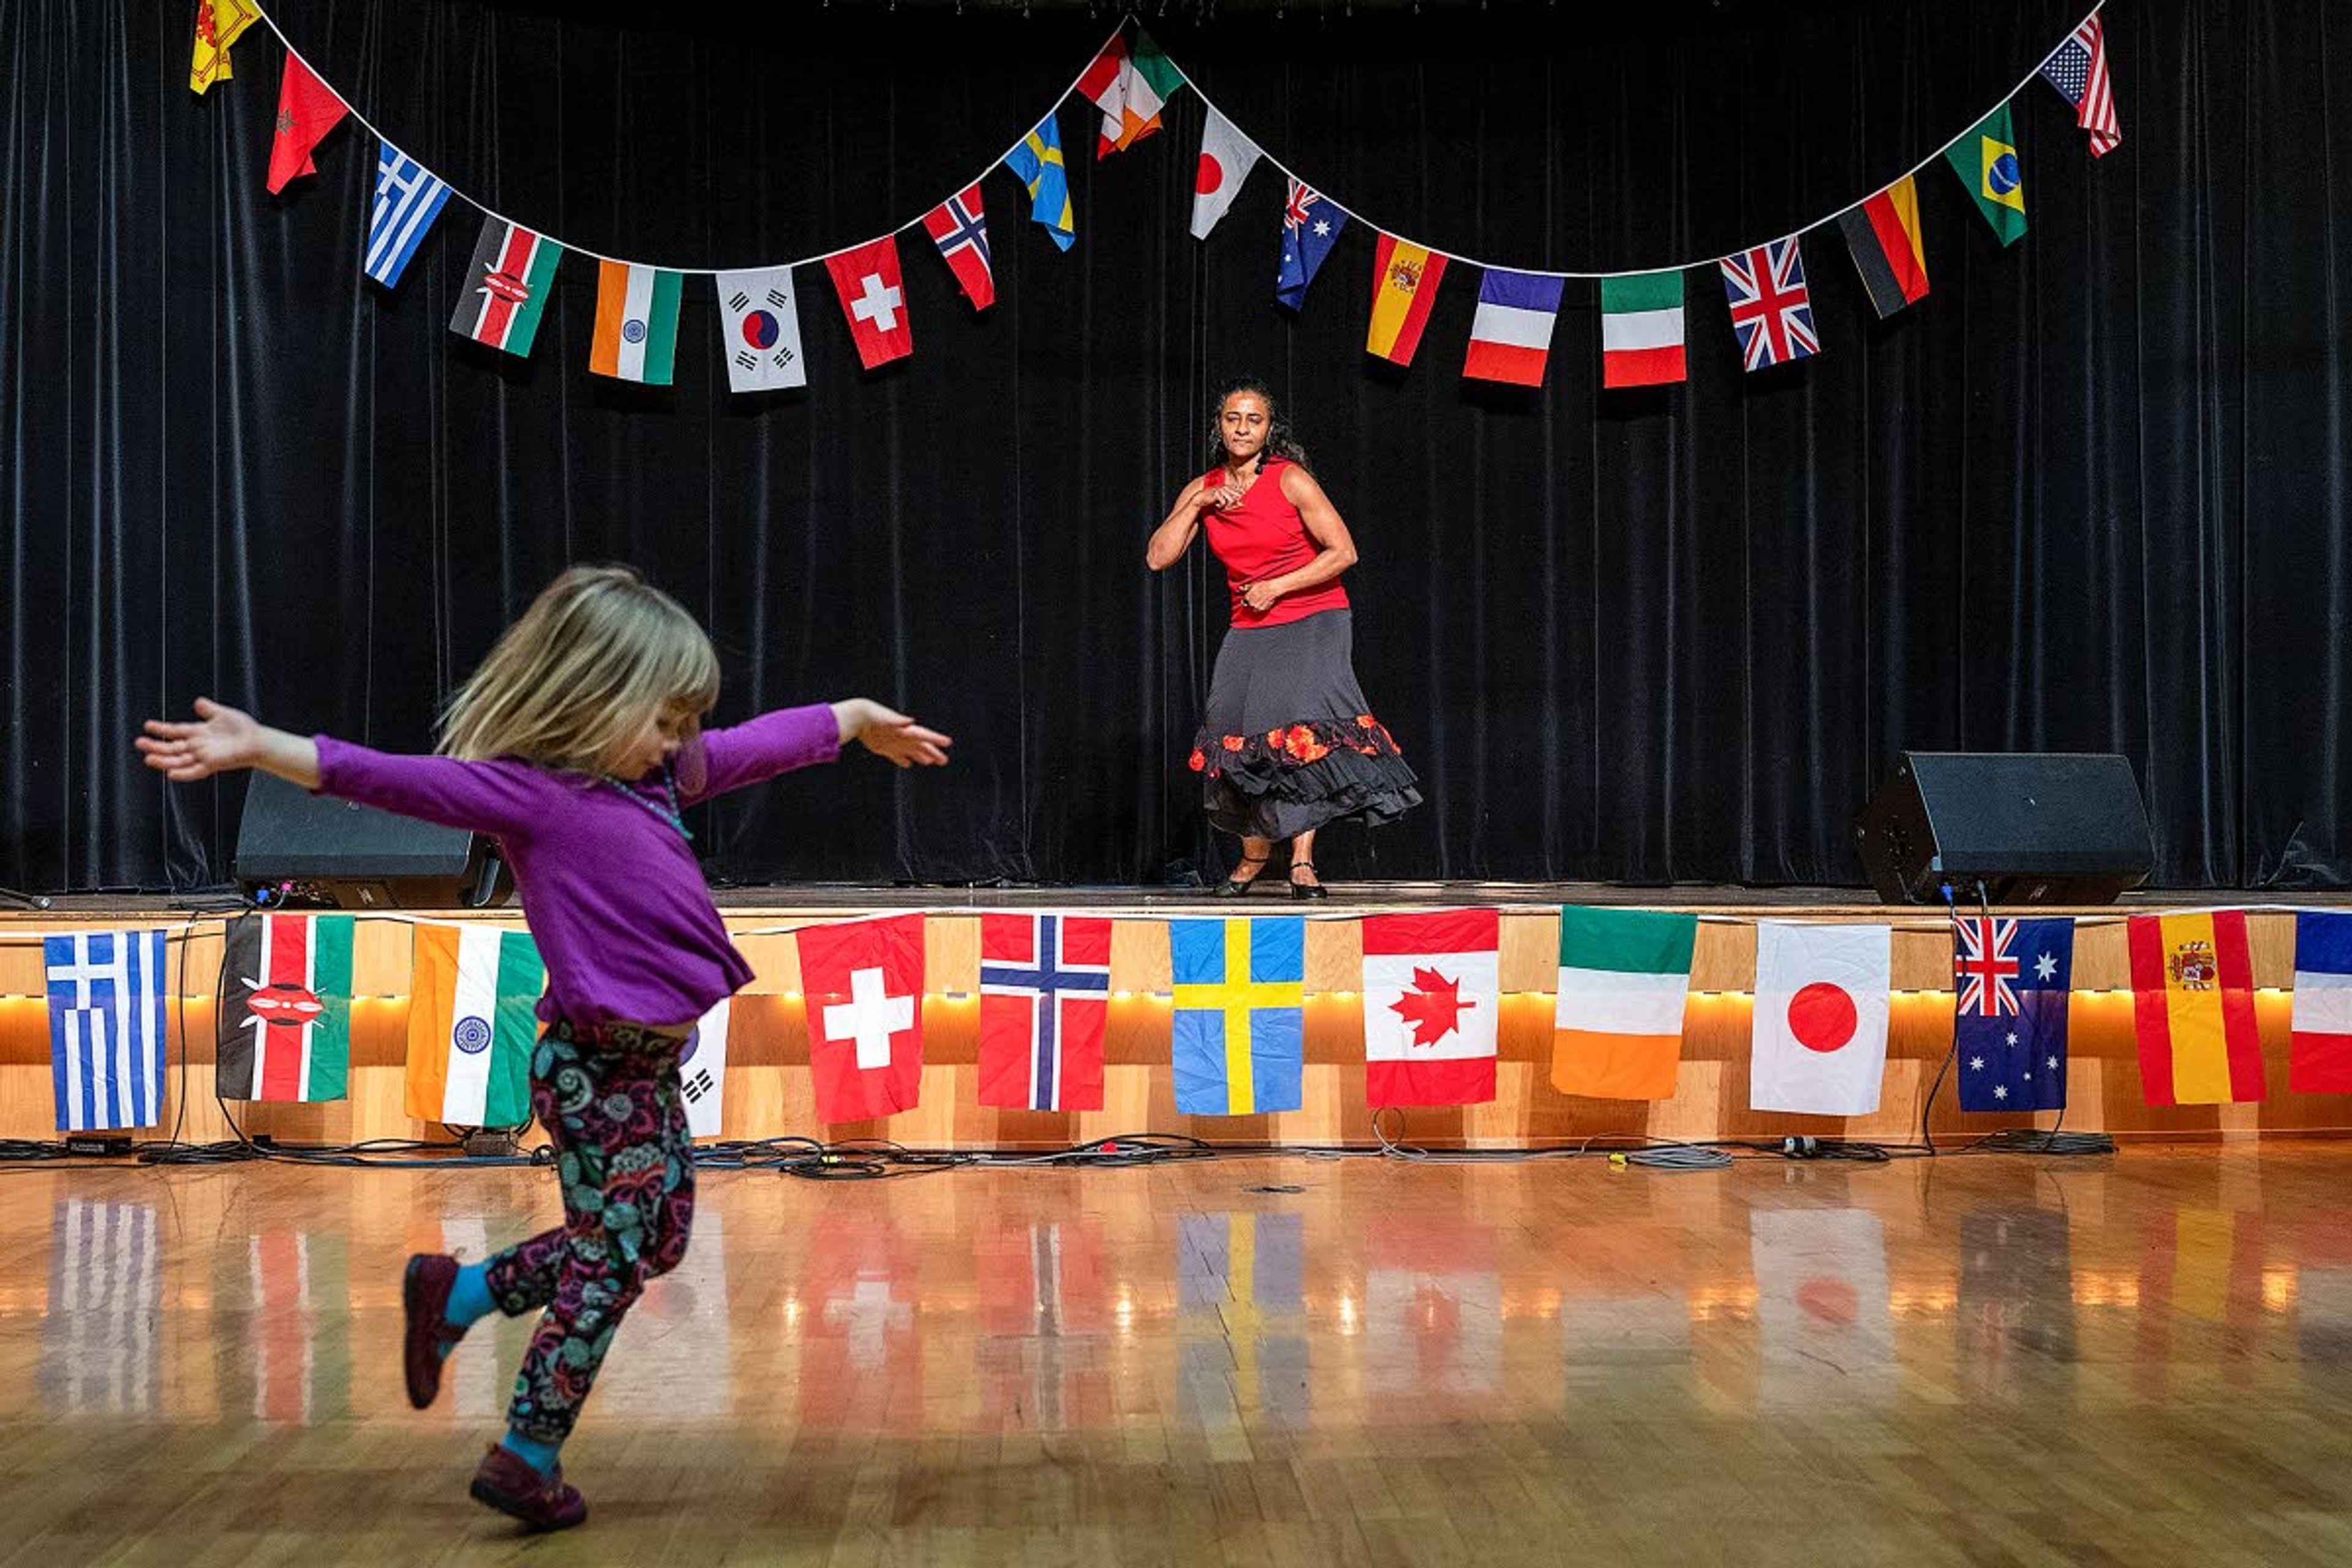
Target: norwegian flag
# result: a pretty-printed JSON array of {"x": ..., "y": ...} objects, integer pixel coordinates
[
  {"x": 1045, "y": 990},
  {"x": 1983, "y": 964},
  {"x": 1771, "y": 312},
  {"x": 2079, "y": 71},
  {"x": 960, "y": 229}
]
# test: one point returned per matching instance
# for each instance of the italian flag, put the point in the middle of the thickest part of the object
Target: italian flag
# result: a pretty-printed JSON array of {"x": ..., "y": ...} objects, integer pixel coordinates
[
  {"x": 636, "y": 322},
  {"x": 471, "y": 1026},
  {"x": 286, "y": 1027},
  {"x": 1624, "y": 977},
  {"x": 1129, "y": 85},
  {"x": 1642, "y": 330}
]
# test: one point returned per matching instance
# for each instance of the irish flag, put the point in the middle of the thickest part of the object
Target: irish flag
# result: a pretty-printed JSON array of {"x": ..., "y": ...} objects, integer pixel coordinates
[
  {"x": 636, "y": 322},
  {"x": 2193, "y": 1008},
  {"x": 1624, "y": 977},
  {"x": 471, "y": 1025},
  {"x": 1129, "y": 85},
  {"x": 1432, "y": 985},
  {"x": 285, "y": 1027},
  {"x": 1642, "y": 330}
]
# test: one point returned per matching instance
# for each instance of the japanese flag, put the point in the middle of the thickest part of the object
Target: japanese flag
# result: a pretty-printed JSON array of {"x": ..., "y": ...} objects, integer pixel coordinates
[
  {"x": 1226, "y": 159},
  {"x": 1820, "y": 1018},
  {"x": 864, "y": 985}
]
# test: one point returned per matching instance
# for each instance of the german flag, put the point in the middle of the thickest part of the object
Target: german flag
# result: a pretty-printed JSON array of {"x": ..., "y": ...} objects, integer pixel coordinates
[
  {"x": 1884, "y": 234},
  {"x": 2193, "y": 1008}
]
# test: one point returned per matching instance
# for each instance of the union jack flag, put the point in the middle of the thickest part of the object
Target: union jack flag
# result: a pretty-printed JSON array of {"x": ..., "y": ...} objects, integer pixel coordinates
[
  {"x": 1044, "y": 1003},
  {"x": 1771, "y": 312},
  {"x": 2079, "y": 71},
  {"x": 1983, "y": 965},
  {"x": 960, "y": 227}
]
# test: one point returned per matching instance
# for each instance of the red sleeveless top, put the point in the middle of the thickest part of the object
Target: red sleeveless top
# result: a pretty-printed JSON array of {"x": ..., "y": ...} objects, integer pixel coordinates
[{"x": 1264, "y": 536}]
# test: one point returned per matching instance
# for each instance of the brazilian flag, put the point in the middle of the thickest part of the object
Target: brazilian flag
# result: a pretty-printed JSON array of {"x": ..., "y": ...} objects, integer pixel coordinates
[{"x": 1985, "y": 161}]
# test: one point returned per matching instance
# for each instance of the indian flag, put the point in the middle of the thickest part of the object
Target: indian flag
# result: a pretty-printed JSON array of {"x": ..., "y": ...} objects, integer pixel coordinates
[
  {"x": 1642, "y": 330},
  {"x": 1624, "y": 976},
  {"x": 636, "y": 322},
  {"x": 1130, "y": 87},
  {"x": 471, "y": 1025}
]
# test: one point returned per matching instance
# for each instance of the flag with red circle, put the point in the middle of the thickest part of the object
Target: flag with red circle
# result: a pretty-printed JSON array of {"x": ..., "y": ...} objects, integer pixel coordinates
[
  {"x": 1226, "y": 159},
  {"x": 863, "y": 985},
  {"x": 1822, "y": 1001}
]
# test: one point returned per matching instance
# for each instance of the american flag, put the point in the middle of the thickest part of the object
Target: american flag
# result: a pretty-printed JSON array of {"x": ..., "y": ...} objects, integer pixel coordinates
[
  {"x": 1771, "y": 312},
  {"x": 1983, "y": 964},
  {"x": 2079, "y": 70}
]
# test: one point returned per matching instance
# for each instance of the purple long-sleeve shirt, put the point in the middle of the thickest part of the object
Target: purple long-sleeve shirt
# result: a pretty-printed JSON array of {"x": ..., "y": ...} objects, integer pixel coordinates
[{"x": 610, "y": 889}]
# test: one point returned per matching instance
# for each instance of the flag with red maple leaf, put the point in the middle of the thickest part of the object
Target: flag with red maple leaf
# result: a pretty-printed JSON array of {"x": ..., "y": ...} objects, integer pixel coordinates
[{"x": 1433, "y": 990}]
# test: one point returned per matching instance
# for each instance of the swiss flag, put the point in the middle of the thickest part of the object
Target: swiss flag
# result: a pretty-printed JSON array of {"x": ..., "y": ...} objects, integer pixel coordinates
[
  {"x": 863, "y": 982},
  {"x": 1432, "y": 985},
  {"x": 874, "y": 298},
  {"x": 307, "y": 110},
  {"x": 1820, "y": 1018}
]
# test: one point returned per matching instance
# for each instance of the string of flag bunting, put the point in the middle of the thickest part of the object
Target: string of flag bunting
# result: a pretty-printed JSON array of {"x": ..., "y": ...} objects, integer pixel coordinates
[{"x": 1129, "y": 82}]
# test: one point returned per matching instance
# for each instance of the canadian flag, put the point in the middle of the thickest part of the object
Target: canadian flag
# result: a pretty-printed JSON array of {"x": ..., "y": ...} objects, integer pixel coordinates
[
  {"x": 1820, "y": 1040},
  {"x": 1433, "y": 984},
  {"x": 874, "y": 298},
  {"x": 863, "y": 982}
]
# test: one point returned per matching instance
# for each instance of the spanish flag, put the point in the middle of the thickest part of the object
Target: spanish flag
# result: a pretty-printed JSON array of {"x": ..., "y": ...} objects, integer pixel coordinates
[
  {"x": 2193, "y": 1008},
  {"x": 1404, "y": 285}
]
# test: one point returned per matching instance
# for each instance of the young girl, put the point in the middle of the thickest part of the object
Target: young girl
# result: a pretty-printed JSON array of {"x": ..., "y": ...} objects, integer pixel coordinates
[{"x": 577, "y": 745}]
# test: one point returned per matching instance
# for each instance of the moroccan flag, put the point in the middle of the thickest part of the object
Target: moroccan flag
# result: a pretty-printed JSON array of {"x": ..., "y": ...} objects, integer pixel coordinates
[
  {"x": 759, "y": 330},
  {"x": 1128, "y": 86},
  {"x": 2193, "y": 1008},
  {"x": 1510, "y": 338},
  {"x": 2012, "y": 980},
  {"x": 1821, "y": 1001},
  {"x": 1433, "y": 993},
  {"x": 1404, "y": 286},
  {"x": 873, "y": 300},
  {"x": 2321, "y": 1058},
  {"x": 1985, "y": 161},
  {"x": 509, "y": 277},
  {"x": 1044, "y": 1003},
  {"x": 307, "y": 110},
  {"x": 1624, "y": 975},
  {"x": 864, "y": 985},
  {"x": 1884, "y": 235},
  {"x": 284, "y": 1030},
  {"x": 702, "y": 1070},
  {"x": 1241, "y": 1013},
  {"x": 636, "y": 322},
  {"x": 472, "y": 1024},
  {"x": 1226, "y": 159},
  {"x": 958, "y": 226},
  {"x": 1038, "y": 162},
  {"x": 1642, "y": 330},
  {"x": 219, "y": 24}
]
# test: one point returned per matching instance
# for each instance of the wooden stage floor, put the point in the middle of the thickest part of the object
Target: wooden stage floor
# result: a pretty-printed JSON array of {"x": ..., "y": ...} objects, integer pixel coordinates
[{"x": 1978, "y": 1360}]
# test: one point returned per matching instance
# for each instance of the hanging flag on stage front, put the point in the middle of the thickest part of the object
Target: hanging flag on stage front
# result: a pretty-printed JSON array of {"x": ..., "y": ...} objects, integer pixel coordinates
[
  {"x": 1883, "y": 234},
  {"x": 2193, "y": 1008},
  {"x": 1240, "y": 1020},
  {"x": 960, "y": 227},
  {"x": 2319, "y": 1058},
  {"x": 1044, "y": 1003},
  {"x": 1510, "y": 337},
  {"x": 408, "y": 197},
  {"x": 636, "y": 322},
  {"x": 1985, "y": 161},
  {"x": 1432, "y": 995},
  {"x": 760, "y": 331},
  {"x": 1404, "y": 290},
  {"x": 219, "y": 23},
  {"x": 1771, "y": 310},
  {"x": 307, "y": 110},
  {"x": 873, "y": 300},
  {"x": 1642, "y": 330},
  {"x": 284, "y": 1029},
  {"x": 2011, "y": 980},
  {"x": 863, "y": 982},
  {"x": 1129, "y": 85},
  {"x": 1624, "y": 975},
  {"x": 2079, "y": 71},
  {"x": 1821, "y": 996},
  {"x": 472, "y": 1022},
  {"x": 1038, "y": 162},
  {"x": 106, "y": 991},
  {"x": 1310, "y": 224},
  {"x": 1226, "y": 159},
  {"x": 508, "y": 282},
  {"x": 702, "y": 1070}
]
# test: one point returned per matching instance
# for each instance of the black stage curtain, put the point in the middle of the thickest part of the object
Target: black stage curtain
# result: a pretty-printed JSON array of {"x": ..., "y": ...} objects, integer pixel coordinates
[{"x": 2090, "y": 495}]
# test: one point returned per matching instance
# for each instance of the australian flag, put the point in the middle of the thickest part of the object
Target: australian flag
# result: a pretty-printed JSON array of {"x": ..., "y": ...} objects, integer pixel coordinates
[
  {"x": 1310, "y": 224},
  {"x": 1045, "y": 1004},
  {"x": 106, "y": 1027},
  {"x": 2010, "y": 980}
]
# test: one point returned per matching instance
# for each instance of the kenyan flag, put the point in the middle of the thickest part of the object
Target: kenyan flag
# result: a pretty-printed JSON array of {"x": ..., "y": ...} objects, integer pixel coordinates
[
  {"x": 286, "y": 1008},
  {"x": 506, "y": 287}
]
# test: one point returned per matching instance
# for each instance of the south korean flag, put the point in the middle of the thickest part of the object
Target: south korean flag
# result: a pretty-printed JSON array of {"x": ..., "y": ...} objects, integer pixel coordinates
[
  {"x": 702, "y": 1070},
  {"x": 760, "y": 331}
]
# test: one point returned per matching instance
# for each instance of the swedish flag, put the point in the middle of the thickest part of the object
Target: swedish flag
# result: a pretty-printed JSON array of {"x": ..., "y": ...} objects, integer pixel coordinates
[
  {"x": 1985, "y": 161},
  {"x": 1038, "y": 161},
  {"x": 1241, "y": 1019}
]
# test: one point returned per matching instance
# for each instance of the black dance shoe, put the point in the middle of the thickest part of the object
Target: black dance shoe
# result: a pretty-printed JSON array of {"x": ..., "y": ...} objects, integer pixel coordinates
[
  {"x": 1299, "y": 889},
  {"x": 1229, "y": 888}
]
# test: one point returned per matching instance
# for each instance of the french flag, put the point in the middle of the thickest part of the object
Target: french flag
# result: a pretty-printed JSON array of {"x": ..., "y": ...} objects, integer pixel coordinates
[
  {"x": 1511, "y": 337},
  {"x": 2320, "y": 1052}
]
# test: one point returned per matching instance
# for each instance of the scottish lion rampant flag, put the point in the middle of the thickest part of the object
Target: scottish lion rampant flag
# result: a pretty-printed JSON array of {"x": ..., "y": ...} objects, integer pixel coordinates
[
  {"x": 1240, "y": 1015},
  {"x": 106, "y": 1027},
  {"x": 2010, "y": 982},
  {"x": 1045, "y": 1001}
]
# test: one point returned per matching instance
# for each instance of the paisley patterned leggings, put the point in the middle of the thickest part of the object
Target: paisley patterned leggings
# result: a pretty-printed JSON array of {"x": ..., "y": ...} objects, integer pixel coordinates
[{"x": 609, "y": 1099}]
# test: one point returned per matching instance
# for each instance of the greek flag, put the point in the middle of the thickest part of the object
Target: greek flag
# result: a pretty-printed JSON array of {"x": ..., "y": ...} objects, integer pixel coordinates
[
  {"x": 106, "y": 1027},
  {"x": 408, "y": 197}
]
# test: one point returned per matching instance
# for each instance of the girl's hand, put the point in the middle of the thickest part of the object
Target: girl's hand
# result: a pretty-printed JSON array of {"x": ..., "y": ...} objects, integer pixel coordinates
[
  {"x": 888, "y": 733},
  {"x": 1260, "y": 597},
  {"x": 222, "y": 739}
]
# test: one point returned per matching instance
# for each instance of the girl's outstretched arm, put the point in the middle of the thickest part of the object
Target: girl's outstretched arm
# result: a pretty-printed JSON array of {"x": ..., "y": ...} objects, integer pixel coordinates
[
  {"x": 225, "y": 738},
  {"x": 888, "y": 733}
]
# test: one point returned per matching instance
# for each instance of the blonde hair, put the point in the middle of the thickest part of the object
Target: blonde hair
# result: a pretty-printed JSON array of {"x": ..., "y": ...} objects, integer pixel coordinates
[{"x": 576, "y": 676}]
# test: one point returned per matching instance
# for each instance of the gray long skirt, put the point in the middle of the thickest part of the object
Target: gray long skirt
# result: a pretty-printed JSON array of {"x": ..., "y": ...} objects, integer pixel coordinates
[{"x": 1288, "y": 743}]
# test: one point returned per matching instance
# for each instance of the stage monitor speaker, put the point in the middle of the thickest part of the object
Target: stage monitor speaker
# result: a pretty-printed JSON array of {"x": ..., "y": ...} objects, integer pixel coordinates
[
  {"x": 2033, "y": 827},
  {"x": 356, "y": 858}
]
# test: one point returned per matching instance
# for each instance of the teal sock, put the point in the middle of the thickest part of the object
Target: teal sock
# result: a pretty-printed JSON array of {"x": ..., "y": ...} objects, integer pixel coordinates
[
  {"x": 539, "y": 1457},
  {"x": 470, "y": 1298}
]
